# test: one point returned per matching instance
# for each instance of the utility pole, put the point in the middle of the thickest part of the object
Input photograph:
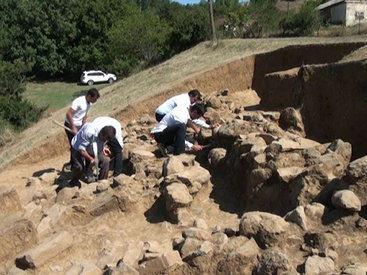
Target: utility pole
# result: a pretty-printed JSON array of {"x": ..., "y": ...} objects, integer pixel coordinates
[{"x": 214, "y": 37}]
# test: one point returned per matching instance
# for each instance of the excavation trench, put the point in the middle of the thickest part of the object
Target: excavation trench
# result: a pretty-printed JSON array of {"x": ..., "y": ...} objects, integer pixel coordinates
[{"x": 331, "y": 96}]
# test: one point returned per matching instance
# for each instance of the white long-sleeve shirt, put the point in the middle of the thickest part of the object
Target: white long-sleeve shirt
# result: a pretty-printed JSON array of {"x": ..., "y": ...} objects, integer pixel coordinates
[
  {"x": 180, "y": 114},
  {"x": 178, "y": 100},
  {"x": 85, "y": 137}
]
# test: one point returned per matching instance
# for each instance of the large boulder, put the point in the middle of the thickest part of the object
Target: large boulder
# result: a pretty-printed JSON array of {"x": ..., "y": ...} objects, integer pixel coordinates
[{"x": 264, "y": 227}]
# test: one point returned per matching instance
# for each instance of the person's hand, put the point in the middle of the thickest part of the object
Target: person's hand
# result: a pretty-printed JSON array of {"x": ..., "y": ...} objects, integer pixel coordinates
[
  {"x": 74, "y": 130},
  {"x": 106, "y": 151},
  {"x": 197, "y": 147},
  {"x": 92, "y": 164},
  {"x": 215, "y": 125}
]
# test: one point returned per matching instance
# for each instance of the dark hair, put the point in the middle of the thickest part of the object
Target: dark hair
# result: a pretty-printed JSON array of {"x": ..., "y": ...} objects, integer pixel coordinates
[
  {"x": 108, "y": 131},
  {"x": 199, "y": 108},
  {"x": 194, "y": 93},
  {"x": 93, "y": 93}
]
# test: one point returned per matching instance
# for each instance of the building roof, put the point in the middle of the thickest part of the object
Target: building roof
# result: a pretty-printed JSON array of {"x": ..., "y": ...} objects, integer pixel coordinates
[{"x": 329, "y": 4}]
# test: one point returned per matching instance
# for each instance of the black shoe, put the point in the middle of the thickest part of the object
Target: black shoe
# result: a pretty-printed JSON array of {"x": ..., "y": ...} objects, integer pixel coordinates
[
  {"x": 67, "y": 167},
  {"x": 162, "y": 149}
]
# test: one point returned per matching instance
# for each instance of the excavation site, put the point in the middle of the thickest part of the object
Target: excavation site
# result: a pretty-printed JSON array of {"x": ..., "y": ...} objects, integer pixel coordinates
[{"x": 279, "y": 188}]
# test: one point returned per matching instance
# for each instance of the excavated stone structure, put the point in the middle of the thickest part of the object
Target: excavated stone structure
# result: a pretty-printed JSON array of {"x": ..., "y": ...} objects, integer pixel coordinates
[{"x": 280, "y": 188}]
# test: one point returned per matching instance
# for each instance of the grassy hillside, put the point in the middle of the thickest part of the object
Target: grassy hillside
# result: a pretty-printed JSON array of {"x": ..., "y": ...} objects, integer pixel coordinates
[{"x": 47, "y": 139}]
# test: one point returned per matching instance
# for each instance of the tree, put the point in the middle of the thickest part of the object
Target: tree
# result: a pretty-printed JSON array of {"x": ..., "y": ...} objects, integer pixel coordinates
[{"x": 139, "y": 36}]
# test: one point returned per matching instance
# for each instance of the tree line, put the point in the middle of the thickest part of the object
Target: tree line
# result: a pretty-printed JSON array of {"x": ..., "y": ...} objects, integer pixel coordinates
[{"x": 58, "y": 39}]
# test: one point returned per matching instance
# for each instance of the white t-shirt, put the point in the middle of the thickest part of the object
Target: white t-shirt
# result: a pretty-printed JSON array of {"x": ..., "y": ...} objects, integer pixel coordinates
[
  {"x": 103, "y": 121},
  {"x": 170, "y": 104},
  {"x": 80, "y": 107}
]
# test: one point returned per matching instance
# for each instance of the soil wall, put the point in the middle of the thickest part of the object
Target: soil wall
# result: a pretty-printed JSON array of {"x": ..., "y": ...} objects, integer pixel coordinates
[
  {"x": 294, "y": 56},
  {"x": 334, "y": 100}
]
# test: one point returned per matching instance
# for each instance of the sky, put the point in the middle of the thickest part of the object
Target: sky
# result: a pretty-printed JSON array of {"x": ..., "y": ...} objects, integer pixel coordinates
[{"x": 184, "y": 2}]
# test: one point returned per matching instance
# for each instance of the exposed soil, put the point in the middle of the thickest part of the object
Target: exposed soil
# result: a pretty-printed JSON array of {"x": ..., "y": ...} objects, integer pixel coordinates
[{"x": 219, "y": 203}]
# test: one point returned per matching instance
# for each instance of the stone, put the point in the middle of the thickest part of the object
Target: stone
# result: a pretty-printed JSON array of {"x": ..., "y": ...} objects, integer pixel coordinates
[
  {"x": 194, "y": 178},
  {"x": 16, "y": 235},
  {"x": 346, "y": 199},
  {"x": 172, "y": 165},
  {"x": 357, "y": 169},
  {"x": 46, "y": 250},
  {"x": 264, "y": 227},
  {"x": 273, "y": 261},
  {"x": 249, "y": 250},
  {"x": 216, "y": 157},
  {"x": 319, "y": 265},
  {"x": 161, "y": 263},
  {"x": 286, "y": 174},
  {"x": 196, "y": 233},
  {"x": 49, "y": 177},
  {"x": 315, "y": 210},
  {"x": 355, "y": 269},
  {"x": 83, "y": 269},
  {"x": 200, "y": 223},
  {"x": 297, "y": 216},
  {"x": 133, "y": 254},
  {"x": 291, "y": 120},
  {"x": 176, "y": 195},
  {"x": 9, "y": 201}
]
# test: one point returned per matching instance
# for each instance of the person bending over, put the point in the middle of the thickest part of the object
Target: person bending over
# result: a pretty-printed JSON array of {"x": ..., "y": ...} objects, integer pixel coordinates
[
  {"x": 87, "y": 143},
  {"x": 116, "y": 143},
  {"x": 170, "y": 132}
]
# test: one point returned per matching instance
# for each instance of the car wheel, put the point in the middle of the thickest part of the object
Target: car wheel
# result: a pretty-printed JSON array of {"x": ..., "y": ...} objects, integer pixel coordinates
[
  {"x": 90, "y": 82},
  {"x": 110, "y": 80}
]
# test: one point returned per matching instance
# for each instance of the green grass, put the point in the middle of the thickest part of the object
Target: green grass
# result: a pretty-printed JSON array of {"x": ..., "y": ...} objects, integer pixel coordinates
[{"x": 55, "y": 95}]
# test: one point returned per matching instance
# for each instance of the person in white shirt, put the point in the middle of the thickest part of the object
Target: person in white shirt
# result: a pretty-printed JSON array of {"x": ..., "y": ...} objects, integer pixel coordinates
[
  {"x": 185, "y": 100},
  {"x": 171, "y": 130},
  {"x": 76, "y": 116},
  {"x": 116, "y": 143},
  {"x": 83, "y": 149}
]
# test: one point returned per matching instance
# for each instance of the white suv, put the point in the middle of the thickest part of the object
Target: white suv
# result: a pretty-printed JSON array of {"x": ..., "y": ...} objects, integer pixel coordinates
[{"x": 91, "y": 77}]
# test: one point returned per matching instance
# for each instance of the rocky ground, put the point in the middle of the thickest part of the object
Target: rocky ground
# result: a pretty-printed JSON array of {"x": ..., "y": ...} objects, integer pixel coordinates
[{"x": 259, "y": 199}]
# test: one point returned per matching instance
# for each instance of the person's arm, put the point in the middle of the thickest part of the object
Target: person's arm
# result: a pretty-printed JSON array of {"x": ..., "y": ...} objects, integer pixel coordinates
[
  {"x": 69, "y": 116},
  {"x": 193, "y": 126},
  {"x": 85, "y": 154},
  {"x": 85, "y": 119}
]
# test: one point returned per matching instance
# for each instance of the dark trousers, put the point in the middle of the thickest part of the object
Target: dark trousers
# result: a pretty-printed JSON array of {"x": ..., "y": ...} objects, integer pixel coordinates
[
  {"x": 70, "y": 136},
  {"x": 116, "y": 150},
  {"x": 78, "y": 166},
  {"x": 159, "y": 117},
  {"x": 174, "y": 136}
]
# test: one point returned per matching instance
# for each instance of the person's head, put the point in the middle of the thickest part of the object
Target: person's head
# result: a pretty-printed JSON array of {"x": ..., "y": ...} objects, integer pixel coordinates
[
  {"x": 107, "y": 133},
  {"x": 194, "y": 96},
  {"x": 92, "y": 95},
  {"x": 197, "y": 110}
]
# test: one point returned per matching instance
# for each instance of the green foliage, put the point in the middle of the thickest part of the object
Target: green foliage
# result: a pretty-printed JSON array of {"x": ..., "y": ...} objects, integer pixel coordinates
[
  {"x": 12, "y": 79},
  {"x": 19, "y": 113},
  {"x": 305, "y": 22},
  {"x": 189, "y": 25},
  {"x": 264, "y": 18},
  {"x": 141, "y": 36}
]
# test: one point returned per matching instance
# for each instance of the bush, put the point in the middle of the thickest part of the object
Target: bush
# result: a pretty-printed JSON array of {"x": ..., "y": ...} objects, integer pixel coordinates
[
  {"x": 19, "y": 113},
  {"x": 7, "y": 132},
  {"x": 305, "y": 22}
]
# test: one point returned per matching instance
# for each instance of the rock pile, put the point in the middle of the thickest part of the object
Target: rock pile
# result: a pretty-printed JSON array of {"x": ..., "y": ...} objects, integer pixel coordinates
[{"x": 300, "y": 207}]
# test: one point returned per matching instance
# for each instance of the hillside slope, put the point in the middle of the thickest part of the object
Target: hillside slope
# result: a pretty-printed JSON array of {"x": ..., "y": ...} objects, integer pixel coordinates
[{"x": 171, "y": 77}]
